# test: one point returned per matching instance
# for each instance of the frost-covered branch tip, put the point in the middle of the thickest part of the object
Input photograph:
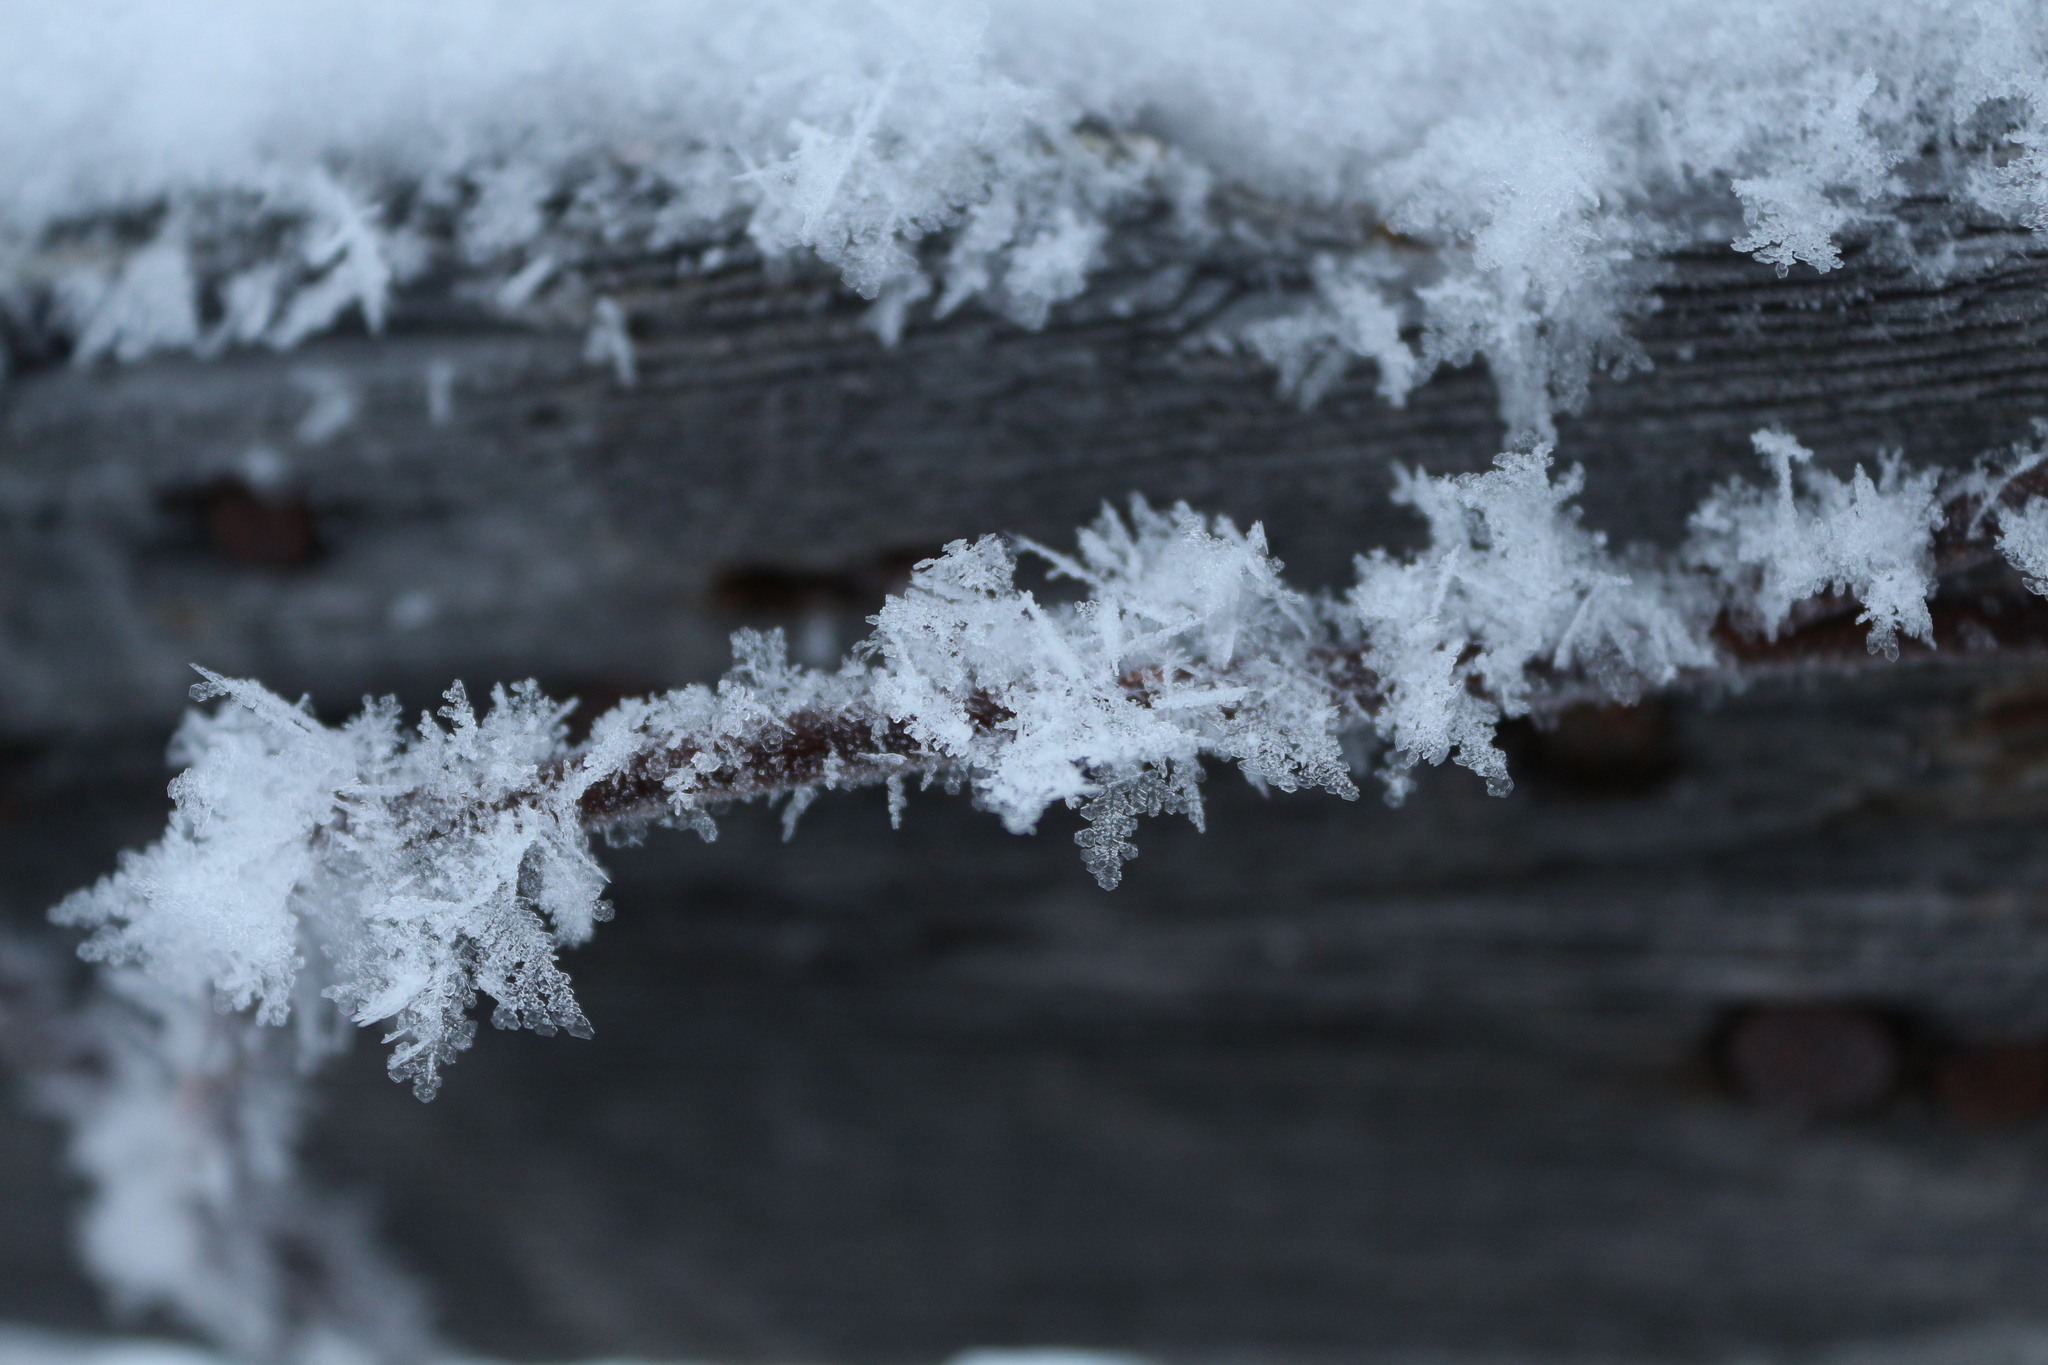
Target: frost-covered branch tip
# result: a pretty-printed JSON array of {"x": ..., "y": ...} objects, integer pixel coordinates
[
  {"x": 184, "y": 1122},
  {"x": 399, "y": 871}
]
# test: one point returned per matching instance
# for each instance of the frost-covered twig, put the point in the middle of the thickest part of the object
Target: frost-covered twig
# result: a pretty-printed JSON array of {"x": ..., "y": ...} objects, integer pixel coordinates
[{"x": 420, "y": 866}]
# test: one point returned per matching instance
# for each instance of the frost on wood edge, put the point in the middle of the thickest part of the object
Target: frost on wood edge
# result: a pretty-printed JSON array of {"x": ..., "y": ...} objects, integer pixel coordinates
[
  {"x": 1425, "y": 185},
  {"x": 402, "y": 870}
]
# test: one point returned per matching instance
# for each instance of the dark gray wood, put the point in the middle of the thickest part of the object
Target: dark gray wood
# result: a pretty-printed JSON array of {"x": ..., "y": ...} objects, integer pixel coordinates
[
  {"x": 551, "y": 523},
  {"x": 1327, "y": 1081}
]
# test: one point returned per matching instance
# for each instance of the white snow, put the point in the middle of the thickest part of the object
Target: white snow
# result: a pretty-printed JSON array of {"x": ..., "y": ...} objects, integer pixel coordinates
[
  {"x": 184, "y": 1123},
  {"x": 2023, "y": 537},
  {"x": 200, "y": 173}
]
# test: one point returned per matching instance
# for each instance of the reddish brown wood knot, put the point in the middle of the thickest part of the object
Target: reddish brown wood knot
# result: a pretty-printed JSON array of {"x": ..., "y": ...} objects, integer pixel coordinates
[
  {"x": 1603, "y": 750},
  {"x": 1813, "y": 1061},
  {"x": 259, "y": 528},
  {"x": 1993, "y": 1085},
  {"x": 770, "y": 590}
]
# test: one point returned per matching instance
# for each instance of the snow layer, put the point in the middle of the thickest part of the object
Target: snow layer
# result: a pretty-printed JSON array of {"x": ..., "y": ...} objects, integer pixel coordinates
[{"x": 1488, "y": 175}]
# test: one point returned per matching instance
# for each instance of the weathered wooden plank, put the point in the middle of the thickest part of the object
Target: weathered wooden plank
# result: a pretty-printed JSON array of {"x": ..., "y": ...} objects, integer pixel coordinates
[{"x": 535, "y": 518}]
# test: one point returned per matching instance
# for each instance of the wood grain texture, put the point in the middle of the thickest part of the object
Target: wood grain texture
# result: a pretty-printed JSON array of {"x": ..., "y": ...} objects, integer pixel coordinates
[{"x": 544, "y": 521}]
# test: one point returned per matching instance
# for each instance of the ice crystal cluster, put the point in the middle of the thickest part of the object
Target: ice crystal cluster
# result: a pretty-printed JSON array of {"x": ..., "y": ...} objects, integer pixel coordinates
[
  {"x": 414, "y": 868},
  {"x": 1511, "y": 584},
  {"x": 1186, "y": 646},
  {"x": 1421, "y": 184},
  {"x": 1867, "y": 539}
]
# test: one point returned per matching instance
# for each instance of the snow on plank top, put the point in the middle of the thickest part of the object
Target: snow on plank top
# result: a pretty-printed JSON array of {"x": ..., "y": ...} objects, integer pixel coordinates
[{"x": 201, "y": 176}]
